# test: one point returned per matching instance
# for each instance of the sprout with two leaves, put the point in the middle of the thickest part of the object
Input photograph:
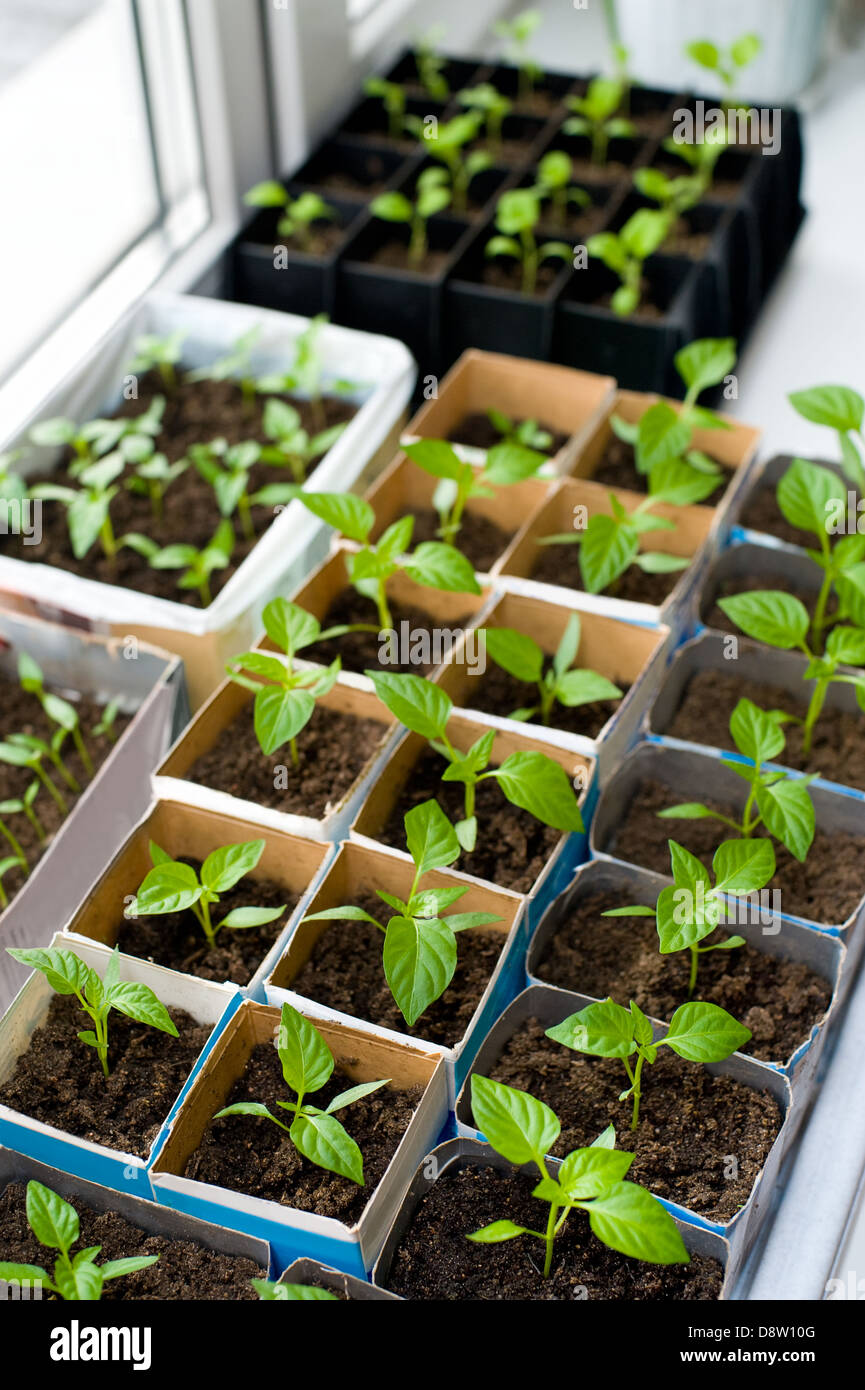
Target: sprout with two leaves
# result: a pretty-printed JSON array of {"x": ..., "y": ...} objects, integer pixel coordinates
[
  {"x": 292, "y": 446},
  {"x": 445, "y": 143},
  {"x": 432, "y": 195},
  {"x": 518, "y": 213},
  {"x": 516, "y": 34},
  {"x": 298, "y": 214},
  {"x": 459, "y": 481},
  {"x": 595, "y": 116},
  {"x": 197, "y": 565},
  {"x": 234, "y": 365},
  {"x": 492, "y": 108},
  {"x": 173, "y": 886},
  {"x": 152, "y": 353},
  {"x": 562, "y": 683}
]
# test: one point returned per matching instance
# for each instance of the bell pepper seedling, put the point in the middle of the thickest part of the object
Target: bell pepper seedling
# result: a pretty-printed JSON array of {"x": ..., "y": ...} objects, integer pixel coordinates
[
  {"x": 517, "y": 215},
  {"x": 298, "y": 214},
  {"x": 432, "y": 195},
  {"x": 505, "y": 464},
  {"x": 595, "y": 116},
  {"x": 522, "y": 658},
  {"x": 173, "y": 886}
]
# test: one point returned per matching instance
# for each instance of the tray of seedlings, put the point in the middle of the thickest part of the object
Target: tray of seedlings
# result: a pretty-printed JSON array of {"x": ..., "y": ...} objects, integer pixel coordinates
[
  {"x": 163, "y": 471},
  {"x": 584, "y": 220}
]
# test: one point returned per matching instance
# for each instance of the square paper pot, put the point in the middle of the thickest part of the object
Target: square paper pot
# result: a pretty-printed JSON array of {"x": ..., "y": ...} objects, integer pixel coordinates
[
  {"x": 383, "y": 795},
  {"x": 146, "y": 1215},
  {"x": 206, "y": 638},
  {"x": 265, "y": 269},
  {"x": 352, "y": 695},
  {"x": 294, "y": 1233},
  {"x": 193, "y": 832},
  {"x": 322, "y": 1276},
  {"x": 456, "y": 1154},
  {"x": 626, "y": 653},
  {"x": 763, "y": 479},
  {"x": 771, "y": 566},
  {"x": 551, "y": 1006},
  {"x": 358, "y": 871},
  {"x": 560, "y": 398},
  {"x": 208, "y": 1003}
]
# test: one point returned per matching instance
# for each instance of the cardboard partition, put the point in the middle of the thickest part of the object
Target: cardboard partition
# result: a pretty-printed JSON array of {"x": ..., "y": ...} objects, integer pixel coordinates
[
  {"x": 293, "y": 1233},
  {"x": 352, "y": 695},
  {"x": 183, "y": 830},
  {"x": 561, "y": 398},
  {"x": 353, "y": 1289},
  {"x": 359, "y": 870},
  {"x": 207, "y": 1002}
]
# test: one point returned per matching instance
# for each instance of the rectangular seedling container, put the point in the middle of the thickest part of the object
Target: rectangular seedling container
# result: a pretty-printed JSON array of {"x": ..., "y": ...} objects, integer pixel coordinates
[
  {"x": 352, "y": 695},
  {"x": 358, "y": 871},
  {"x": 456, "y": 1154},
  {"x": 689, "y": 776},
  {"x": 384, "y": 372},
  {"x": 404, "y": 487},
  {"x": 349, "y": 1286},
  {"x": 384, "y": 793},
  {"x": 559, "y": 398},
  {"x": 761, "y": 487},
  {"x": 823, "y": 954},
  {"x": 149, "y": 686},
  {"x": 551, "y": 1006},
  {"x": 206, "y": 1002},
  {"x": 630, "y": 655},
  {"x": 447, "y": 612},
  {"x": 141, "y": 1212},
  {"x": 769, "y": 567},
  {"x": 578, "y": 499},
  {"x": 192, "y": 832},
  {"x": 268, "y": 268},
  {"x": 293, "y": 1233},
  {"x": 752, "y": 662}
]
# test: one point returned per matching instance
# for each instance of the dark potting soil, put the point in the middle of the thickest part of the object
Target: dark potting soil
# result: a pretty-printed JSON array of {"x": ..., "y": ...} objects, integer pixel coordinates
[
  {"x": 578, "y": 224},
  {"x": 394, "y": 255},
  {"x": 647, "y": 311},
  {"x": 837, "y": 746},
  {"x": 177, "y": 941},
  {"x": 345, "y": 972},
  {"x": 560, "y": 564},
  {"x": 255, "y": 1156},
  {"x": 360, "y": 650},
  {"x": 512, "y": 846},
  {"x": 479, "y": 539},
  {"x": 584, "y": 170},
  {"x": 618, "y": 958},
  {"x": 507, "y": 275},
  {"x": 59, "y": 1080},
  {"x": 434, "y": 1260},
  {"x": 185, "y": 1270},
  {"x": 826, "y": 888},
  {"x": 762, "y": 513},
  {"x": 476, "y": 429},
  {"x": 323, "y": 238},
  {"x": 195, "y": 413},
  {"x": 23, "y": 714},
  {"x": 332, "y": 749},
  {"x": 340, "y": 183},
  {"x": 505, "y": 151},
  {"x": 498, "y": 692},
  {"x": 692, "y": 1123},
  {"x": 713, "y": 616},
  {"x": 617, "y": 468},
  {"x": 684, "y": 241}
]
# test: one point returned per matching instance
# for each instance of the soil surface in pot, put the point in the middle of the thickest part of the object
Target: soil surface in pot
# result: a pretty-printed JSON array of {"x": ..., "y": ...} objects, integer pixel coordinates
[
  {"x": 826, "y": 888},
  {"x": 618, "y": 958},
  {"x": 434, "y": 1260},
  {"x": 578, "y": 224},
  {"x": 393, "y": 255},
  {"x": 23, "y": 714},
  {"x": 713, "y": 616},
  {"x": 512, "y": 846},
  {"x": 479, "y": 539},
  {"x": 332, "y": 749},
  {"x": 498, "y": 692},
  {"x": 690, "y": 1119},
  {"x": 618, "y": 468},
  {"x": 837, "y": 747},
  {"x": 560, "y": 564},
  {"x": 59, "y": 1080},
  {"x": 506, "y": 274},
  {"x": 342, "y": 183},
  {"x": 477, "y": 429},
  {"x": 360, "y": 651},
  {"x": 506, "y": 151},
  {"x": 762, "y": 513},
  {"x": 685, "y": 240},
  {"x": 252, "y": 1155},
  {"x": 185, "y": 1270},
  {"x": 195, "y": 413},
  {"x": 345, "y": 972},
  {"x": 324, "y": 237},
  {"x": 177, "y": 941},
  {"x": 584, "y": 170}
]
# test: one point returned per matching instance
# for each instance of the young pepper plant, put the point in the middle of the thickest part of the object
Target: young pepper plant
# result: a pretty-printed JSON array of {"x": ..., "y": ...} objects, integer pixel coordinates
[
  {"x": 625, "y": 253},
  {"x": 517, "y": 215},
  {"x": 58, "y": 710},
  {"x": 697, "y": 1032},
  {"x": 159, "y": 354},
  {"x": 75, "y": 1278},
  {"x": 492, "y": 108},
  {"x": 726, "y": 63},
  {"x": 172, "y": 886},
  {"x": 393, "y": 99},
  {"x": 88, "y": 507},
  {"x": 516, "y": 34},
  {"x": 285, "y": 704},
  {"x": 780, "y": 803},
  {"x": 505, "y": 464},
  {"x": 430, "y": 64},
  {"x": 674, "y": 196},
  {"x": 11, "y": 862},
  {"x": 691, "y": 909},
  {"x": 445, "y": 142},
  {"x": 198, "y": 565},
  {"x": 307, "y": 372},
  {"x": 522, "y": 658},
  {"x": 419, "y": 951},
  {"x": 701, "y": 156},
  {"x": 66, "y": 973},
  {"x": 595, "y": 116},
  {"x": 553, "y": 184},
  {"x": 841, "y": 409},
  {"x": 292, "y": 447},
  {"x": 527, "y": 779},
  {"x": 152, "y": 476},
  {"x": 307, "y": 1065},
  {"x": 432, "y": 195},
  {"x": 234, "y": 365},
  {"x": 527, "y": 433},
  {"x": 226, "y": 468},
  {"x": 622, "y": 1215},
  {"x": 298, "y": 214}
]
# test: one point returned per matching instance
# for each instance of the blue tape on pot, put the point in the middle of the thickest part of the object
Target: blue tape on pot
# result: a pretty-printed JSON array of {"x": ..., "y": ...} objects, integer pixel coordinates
[
  {"x": 228, "y": 1013},
  {"x": 110, "y": 1170}
]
